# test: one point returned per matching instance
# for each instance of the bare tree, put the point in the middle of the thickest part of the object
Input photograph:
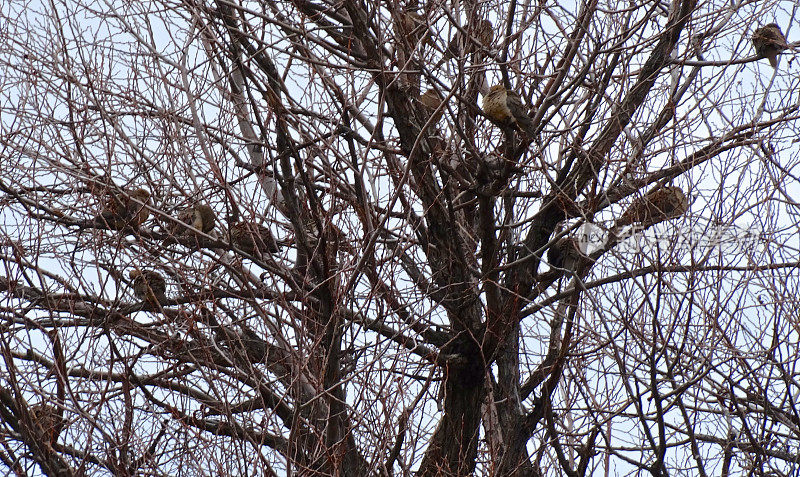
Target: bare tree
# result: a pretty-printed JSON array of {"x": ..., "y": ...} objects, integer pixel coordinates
[{"x": 302, "y": 237}]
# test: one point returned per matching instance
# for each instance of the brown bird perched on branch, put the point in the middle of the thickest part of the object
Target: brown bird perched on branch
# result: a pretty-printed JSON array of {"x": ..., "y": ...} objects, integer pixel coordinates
[
  {"x": 769, "y": 42},
  {"x": 565, "y": 253},
  {"x": 414, "y": 28},
  {"x": 121, "y": 210},
  {"x": 483, "y": 34},
  {"x": 431, "y": 102},
  {"x": 149, "y": 286},
  {"x": 199, "y": 216},
  {"x": 48, "y": 420},
  {"x": 253, "y": 238},
  {"x": 505, "y": 107},
  {"x": 656, "y": 206}
]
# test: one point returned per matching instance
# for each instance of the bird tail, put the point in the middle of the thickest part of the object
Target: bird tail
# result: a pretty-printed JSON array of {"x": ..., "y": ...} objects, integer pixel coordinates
[{"x": 773, "y": 60}]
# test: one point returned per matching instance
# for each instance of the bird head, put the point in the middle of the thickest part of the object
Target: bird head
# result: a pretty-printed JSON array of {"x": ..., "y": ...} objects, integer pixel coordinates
[{"x": 135, "y": 274}]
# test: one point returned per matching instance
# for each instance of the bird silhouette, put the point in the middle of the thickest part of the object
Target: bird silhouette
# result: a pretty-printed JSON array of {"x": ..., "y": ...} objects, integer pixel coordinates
[
  {"x": 431, "y": 102},
  {"x": 565, "y": 253},
  {"x": 483, "y": 35}
]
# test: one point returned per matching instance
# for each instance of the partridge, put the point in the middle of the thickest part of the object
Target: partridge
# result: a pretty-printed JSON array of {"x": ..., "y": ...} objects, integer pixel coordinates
[
  {"x": 565, "y": 253},
  {"x": 431, "y": 102},
  {"x": 414, "y": 28},
  {"x": 484, "y": 35}
]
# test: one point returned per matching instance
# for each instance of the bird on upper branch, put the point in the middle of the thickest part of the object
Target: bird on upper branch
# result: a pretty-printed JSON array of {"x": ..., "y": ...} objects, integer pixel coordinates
[
  {"x": 565, "y": 253},
  {"x": 769, "y": 42},
  {"x": 253, "y": 238},
  {"x": 149, "y": 286},
  {"x": 505, "y": 107},
  {"x": 414, "y": 28},
  {"x": 199, "y": 216},
  {"x": 48, "y": 419},
  {"x": 431, "y": 102},
  {"x": 121, "y": 211},
  {"x": 483, "y": 34},
  {"x": 656, "y": 206}
]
